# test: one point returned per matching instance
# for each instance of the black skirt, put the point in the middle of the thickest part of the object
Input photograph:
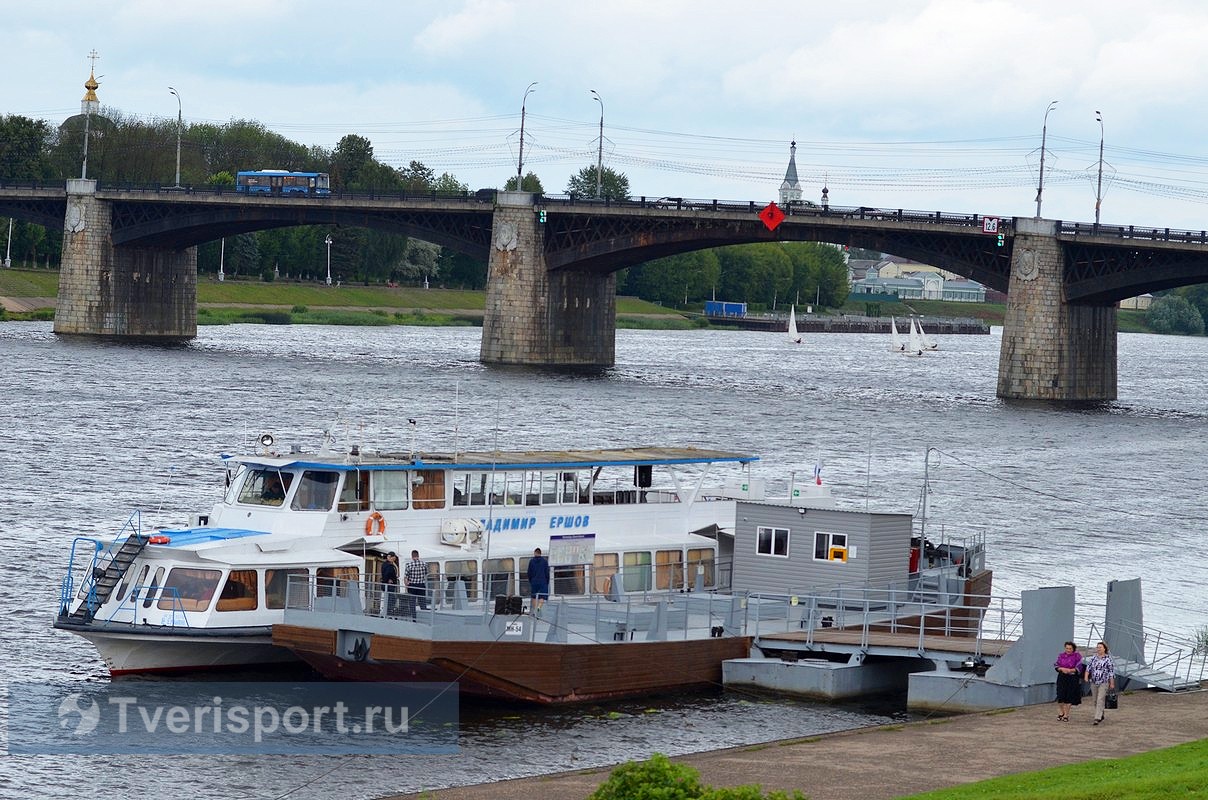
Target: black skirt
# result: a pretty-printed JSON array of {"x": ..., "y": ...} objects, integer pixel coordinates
[{"x": 1069, "y": 688}]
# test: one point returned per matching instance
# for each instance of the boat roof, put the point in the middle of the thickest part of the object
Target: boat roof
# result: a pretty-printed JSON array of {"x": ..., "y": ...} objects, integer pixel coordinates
[
  {"x": 495, "y": 460},
  {"x": 191, "y": 537}
]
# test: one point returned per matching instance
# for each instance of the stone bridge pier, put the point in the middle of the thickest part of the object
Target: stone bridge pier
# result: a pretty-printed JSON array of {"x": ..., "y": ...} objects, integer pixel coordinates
[
  {"x": 537, "y": 317},
  {"x": 1052, "y": 350},
  {"x": 105, "y": 290}
]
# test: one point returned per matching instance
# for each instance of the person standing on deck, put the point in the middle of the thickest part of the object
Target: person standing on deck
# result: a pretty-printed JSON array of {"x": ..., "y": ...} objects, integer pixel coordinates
[
  {"x": 1101, "y": 672},
  {"x": 390, "y": 585},
  {"x": 538, "y": 578},
  {"x": 1069, "y": 680},
  {"x": 416, "y": 576}
]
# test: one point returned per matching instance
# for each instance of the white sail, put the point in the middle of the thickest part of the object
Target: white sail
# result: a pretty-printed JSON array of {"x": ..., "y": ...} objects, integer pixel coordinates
[
  {"x": 896, "y": 345},
  {"x": 927, "y": 342},
  {"x": 914, "y": 347},
  {"x": 794, "y": 337}
]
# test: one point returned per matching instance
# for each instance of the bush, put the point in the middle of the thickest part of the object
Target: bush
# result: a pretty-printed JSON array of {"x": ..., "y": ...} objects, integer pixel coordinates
[
  {"x": 299, "y": 310},
  {"x": 1173, "y": 314},
  {"x": 267, "y": 275},
  {"x": 660, "y": 779}
]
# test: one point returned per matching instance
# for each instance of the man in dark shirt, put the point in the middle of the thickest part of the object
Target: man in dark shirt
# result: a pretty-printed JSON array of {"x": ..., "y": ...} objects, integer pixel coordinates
[
  {"x": 538, "y": 578},
  {"x": 390, "y": 585}
]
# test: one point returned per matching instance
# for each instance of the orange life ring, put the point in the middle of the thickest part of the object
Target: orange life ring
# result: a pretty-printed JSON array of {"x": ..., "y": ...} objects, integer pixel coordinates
[
  {"x": 376, "y": 520},
  {"x": 159, "y": 540}
]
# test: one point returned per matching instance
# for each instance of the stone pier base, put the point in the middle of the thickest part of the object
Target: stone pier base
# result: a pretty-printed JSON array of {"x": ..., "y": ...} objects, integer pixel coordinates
[
  {"x": 537, "y": 317},
  {"x": 143, "y": 293},
  {"x": 1052, "y": 350}
]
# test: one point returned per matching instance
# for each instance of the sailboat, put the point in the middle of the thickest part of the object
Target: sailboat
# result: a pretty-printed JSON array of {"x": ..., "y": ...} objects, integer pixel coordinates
[
  {"x": 914, "y": 347},
  {"x": 927, "y": 342},
  {"x": 896, "y": 345},
  {"x": 794, "y": 337}
]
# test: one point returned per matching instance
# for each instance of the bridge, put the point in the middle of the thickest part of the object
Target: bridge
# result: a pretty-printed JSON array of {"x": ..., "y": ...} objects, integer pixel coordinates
[{"x": 130, "y": 257}]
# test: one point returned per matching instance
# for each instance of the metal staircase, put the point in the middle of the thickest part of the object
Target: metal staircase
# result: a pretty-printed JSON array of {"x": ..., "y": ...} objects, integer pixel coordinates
[
  {"x": 1176, "y": 681},
  {"x": 99, "y": 584},
  {"x": 1161, "y": 660}
]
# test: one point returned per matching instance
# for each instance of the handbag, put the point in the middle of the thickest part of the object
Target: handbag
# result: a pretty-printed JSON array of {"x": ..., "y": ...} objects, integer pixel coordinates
[{"x": 1112, "y": 700}]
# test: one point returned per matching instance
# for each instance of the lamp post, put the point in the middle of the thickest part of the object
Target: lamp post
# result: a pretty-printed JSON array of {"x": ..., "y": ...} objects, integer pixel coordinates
[
  {"x": 8, "y": 245},
  {"x": 1043, "y": 135},
  {"x": 221, "y": 258},
  {"x": 327, "y": 241},
  {"x": 1099, "y": 185},
  {"x": 179, "y": 128},
  {"x": 600, "y": 151},
  {"x": 520, "y": 160}
]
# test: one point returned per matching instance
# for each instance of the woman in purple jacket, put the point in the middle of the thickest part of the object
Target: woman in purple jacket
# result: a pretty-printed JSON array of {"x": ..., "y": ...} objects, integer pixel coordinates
[{"x": 1069, "y": 680}]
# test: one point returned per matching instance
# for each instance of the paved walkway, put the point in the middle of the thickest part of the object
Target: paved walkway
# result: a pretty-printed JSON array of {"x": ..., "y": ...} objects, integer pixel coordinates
[
  {"x": 22, "y": 304},
  {"x": 888, "y": 761}
]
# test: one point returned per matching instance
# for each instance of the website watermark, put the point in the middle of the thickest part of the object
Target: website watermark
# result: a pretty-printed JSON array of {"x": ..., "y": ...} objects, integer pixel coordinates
[{"x": 315, "y": 718}]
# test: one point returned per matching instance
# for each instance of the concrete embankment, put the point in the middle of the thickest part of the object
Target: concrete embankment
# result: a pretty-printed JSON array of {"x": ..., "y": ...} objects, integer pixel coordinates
[{"x": 889, "y": 761}]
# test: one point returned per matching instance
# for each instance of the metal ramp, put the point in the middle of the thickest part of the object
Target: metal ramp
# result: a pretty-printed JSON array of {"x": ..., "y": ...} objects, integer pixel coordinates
[
  {"x": 99, "y": 584},
  {"x": 1158, "y": 678}
]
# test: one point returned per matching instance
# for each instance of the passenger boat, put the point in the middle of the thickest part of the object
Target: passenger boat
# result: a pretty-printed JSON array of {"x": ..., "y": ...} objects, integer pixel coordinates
[{"x": 616, "y": 521}]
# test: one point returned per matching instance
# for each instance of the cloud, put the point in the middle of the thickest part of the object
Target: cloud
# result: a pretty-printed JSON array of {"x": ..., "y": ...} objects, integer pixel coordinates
[{"x": 479, "y": 21}]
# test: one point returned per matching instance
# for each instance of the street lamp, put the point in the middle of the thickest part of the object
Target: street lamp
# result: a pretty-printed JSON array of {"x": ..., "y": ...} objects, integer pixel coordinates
[
  {"x": 1099, "y": 185},
  {"x": 8, "y": 245},
  {"x": 520, "y": 160},
  {"x": 327, "y": 241},
  {"x": 600, "y": 151},
  {"x": 1043, "y": 134},
  {"x": 179, "y": 128},
  {"x": 221, "y": 258}
]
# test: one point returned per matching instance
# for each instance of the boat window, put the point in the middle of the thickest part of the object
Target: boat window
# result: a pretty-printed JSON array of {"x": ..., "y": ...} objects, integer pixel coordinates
[
  {"x": 463, "y": 483},
  {"x": 569, "y": 487},
  {"x": 239, "y": 592},
  {"x": 354, "y": 496},
  {"x": 316, "y": 491},
  {"x": 830, "y": 546},
  {"x": 428, "y": 488},
  {"x": 499, "y": 575},
  {"x": 142, "y": 576},
  {"x": 515, "y": 489},
  {"x": 568, "y": 579},
  {"x": 188, "y": 589},
  {"x": 525, "y": 589},
  {"x": 265, "y": 486},
  {"x": 233, "y": 484},
  {"x": 549, "y": 488},
  {"x": 668, "y": 569},
  {"x": 613, "y": 485},
  {"x": 497, "y": 483},
  {"x": 702, "y": 561},
  {"x": 532, "y": 489},
  {"x": 603, "y": 570},
  {"x": 390, "y": 489},
  {"x": 465, "y": 571},
  {"x": 772, "y": 541},
  {"x": 635, "y": 571},
  {"x": 121, "y": 590},
  {"x": 335, "y": 580},
  {"x": 159, "y": 575},
  {"x": 276, "y": 584}
]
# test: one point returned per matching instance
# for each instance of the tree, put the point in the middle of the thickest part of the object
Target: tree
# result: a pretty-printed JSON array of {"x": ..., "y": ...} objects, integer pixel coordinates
[
  {"x": 417, "y": 178},
  {"x": 675, "y": 279},
  {"x": 531, "y": 183},
  {"x": 352, "y": 155},
  {"x": 614, "y": 185},
  {"x": 1173, "y": 314},
  {"x": 23, "y": 149},
  {"x": 447, "y": 184}
]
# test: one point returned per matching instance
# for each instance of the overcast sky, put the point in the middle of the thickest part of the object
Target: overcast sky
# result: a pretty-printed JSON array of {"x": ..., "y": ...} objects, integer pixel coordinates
[{"x": 916, "y": 104}]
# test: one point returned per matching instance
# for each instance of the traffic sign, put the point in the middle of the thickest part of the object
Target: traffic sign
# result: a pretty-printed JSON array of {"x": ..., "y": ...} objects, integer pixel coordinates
[
  {"x": 989, "y": 224},
  {"x": 772, "y": 216}
]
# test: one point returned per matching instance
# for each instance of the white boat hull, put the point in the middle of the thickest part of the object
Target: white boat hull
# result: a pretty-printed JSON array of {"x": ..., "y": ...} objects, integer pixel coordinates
[{"x": 130, "y": 654}]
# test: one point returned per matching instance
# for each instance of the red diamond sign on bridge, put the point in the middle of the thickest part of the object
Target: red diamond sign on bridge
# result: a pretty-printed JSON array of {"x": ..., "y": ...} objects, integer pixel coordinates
[{"x": 772, "y": 216}]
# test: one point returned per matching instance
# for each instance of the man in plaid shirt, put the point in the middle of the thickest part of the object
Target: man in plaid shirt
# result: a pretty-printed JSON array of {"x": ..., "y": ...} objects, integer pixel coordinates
[{"x": 415, "y": 575}]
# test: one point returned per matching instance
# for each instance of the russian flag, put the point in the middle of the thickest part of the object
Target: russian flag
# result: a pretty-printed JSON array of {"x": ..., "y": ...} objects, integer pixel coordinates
[{"x": 818, "y": 474}]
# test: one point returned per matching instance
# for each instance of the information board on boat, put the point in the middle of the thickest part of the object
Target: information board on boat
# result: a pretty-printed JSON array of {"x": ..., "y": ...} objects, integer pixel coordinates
[{"x": 572, "y": 548}]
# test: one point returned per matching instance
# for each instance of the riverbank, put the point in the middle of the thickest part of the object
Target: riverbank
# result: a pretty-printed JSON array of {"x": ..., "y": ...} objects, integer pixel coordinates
[{"x": 889, "y": 761}]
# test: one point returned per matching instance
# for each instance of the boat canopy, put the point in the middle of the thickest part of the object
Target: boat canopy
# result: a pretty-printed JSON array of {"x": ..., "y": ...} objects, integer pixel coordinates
[{"x": 497, "y": 460}]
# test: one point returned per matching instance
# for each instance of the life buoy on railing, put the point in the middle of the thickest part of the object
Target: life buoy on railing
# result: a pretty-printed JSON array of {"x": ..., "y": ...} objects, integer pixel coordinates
[
  {"x": 375, "y": 525},
  {"x": 159, "y": 540}
]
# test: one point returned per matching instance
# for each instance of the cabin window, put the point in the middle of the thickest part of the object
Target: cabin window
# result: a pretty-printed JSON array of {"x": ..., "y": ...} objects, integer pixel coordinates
[
  {"x": 390, "y": 490},
  {"x": 499, "y": 575},
  {"x": 265, "y": 486},
  {"x": 603, "y": 571},
  {"x": 568, "y": 579},
  {"x": 549, "y": 488},
  {"x": 121, "y": 590},
  {"x": 355, "y": 494},
  {"x": 464, "y": 571},
  {"x": 526, "y": 589},
  {"x": 335, "y": 580},
  {"x": 498, "y": 483},
  {"x": 830, "y": 546},
  {"x": 702, "y": 560},
  {"x": 276, "y": 585},
  {"x": 316, "y": 491},
  {"x": 636, "y": 572},
  {"x": 428, "y": 488},
  {"x": 514, "y": 495},
  {"x": 159, "y": 576},
  {"x": 469, "y": 488},
  {"x": 189, "y": 589},
  {"x": 138, "y": 584},
  {"x": 532, "y": 492},
  {"x": 668, "y": 569},
  {"x": 569, "y": 487},
  {"x": 772, "y": 541},
  {"x": 239, "y": 592}
]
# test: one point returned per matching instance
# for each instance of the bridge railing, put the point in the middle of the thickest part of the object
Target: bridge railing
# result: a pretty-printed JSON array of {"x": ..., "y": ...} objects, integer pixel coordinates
[{"x": 1131, "y": 232}]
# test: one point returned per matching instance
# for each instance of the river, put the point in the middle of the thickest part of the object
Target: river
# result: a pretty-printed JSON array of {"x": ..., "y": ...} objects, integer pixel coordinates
[{"x": 95, "y": 429}]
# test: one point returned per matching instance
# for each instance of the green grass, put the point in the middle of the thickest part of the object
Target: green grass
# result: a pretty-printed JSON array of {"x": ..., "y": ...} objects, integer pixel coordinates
[
  {"x": 29, "y": 282},
  {"x": 1180, "y": 771}
]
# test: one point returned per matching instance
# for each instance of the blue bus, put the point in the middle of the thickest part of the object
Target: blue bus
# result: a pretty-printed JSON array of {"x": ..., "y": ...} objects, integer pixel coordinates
[{"x": 283, "y": 182}]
